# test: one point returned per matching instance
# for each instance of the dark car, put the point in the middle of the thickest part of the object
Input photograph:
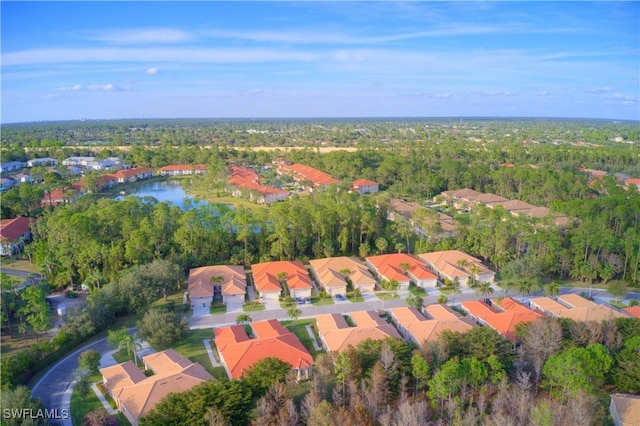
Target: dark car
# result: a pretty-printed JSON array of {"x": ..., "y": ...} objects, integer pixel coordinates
[
  {"x": 307, "y": 300},
  {"x": 299, "y": 300}
]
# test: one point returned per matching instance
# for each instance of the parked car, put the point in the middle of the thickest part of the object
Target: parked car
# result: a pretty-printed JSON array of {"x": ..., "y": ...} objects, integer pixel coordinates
[
  {"x": 307, "y": 300},
  {"x": 339, "y": 298},
  {"x": 299, "y": 301}
]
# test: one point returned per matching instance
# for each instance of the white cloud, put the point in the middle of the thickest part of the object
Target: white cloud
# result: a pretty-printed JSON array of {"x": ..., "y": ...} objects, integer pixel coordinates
[
  {"x": 92, "y": 88},
  {"x": 153, "y": 71},
  {"x": 142, "y": 36}
]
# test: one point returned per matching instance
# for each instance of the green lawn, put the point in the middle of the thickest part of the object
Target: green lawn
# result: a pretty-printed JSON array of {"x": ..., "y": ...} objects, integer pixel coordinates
[
  {"x": 253, "y": 307},
  {"x": 21, "y": 264},
  {"x": 387, "y": 295},
  {"x": 81, "y": 406},
  {"x": 218, "y": 309},
  {"x": 417, "y": 291},
  {"x": 300, "y": 330},
  {"x": 321, "y": 301}
]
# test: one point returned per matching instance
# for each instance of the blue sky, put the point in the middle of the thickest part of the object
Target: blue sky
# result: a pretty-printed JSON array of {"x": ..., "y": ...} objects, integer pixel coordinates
[{"x": 73, "y": 60}]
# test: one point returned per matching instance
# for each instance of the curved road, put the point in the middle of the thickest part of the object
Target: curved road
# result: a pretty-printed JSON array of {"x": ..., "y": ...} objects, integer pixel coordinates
[
  {"x": 54, "y": 388},
  {"x": 22, "y": 274}
]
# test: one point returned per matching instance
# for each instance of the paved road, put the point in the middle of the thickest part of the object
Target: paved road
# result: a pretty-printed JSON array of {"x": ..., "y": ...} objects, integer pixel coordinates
[
  {"x": 54, "y": 388},
  {"x": 22, "y": 274}
]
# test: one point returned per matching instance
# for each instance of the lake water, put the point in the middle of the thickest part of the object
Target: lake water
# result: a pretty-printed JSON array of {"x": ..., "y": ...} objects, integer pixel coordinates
[{"x": 170, "y": 191}]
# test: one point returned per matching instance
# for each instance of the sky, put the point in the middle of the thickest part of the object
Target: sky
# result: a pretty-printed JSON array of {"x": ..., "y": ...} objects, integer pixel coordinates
[{"x": 207, "y": 59}]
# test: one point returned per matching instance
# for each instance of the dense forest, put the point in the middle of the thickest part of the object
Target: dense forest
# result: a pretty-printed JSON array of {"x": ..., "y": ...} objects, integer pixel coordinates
[{"x": 132, "y": 252}]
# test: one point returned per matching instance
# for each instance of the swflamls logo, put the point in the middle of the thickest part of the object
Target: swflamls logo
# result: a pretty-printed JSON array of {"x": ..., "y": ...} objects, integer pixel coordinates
[{"x": 30, "y": 413}]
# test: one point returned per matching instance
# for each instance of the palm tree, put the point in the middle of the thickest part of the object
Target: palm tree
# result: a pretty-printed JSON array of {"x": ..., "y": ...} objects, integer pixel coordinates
[
  {"x": 294, "y": 313},
  {"x": 552, "y": 289},
  {"x": 130, "y": 343},
  {"x": 474, "y": 270},
  {"x": 243, "y": 319},
  {"x": 405, "y": 266},
  {"x": 524, "y": 287},
  {"x": 484, "y": 289},
  {"x": 282, "y": 277}
]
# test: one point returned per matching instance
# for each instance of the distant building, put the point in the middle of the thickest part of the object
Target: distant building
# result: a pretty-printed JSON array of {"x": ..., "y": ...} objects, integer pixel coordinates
[
  {"x": 392, "y": 267},
  {"x": 452, "y": 264},
  {"x": 11, "y": 166},
  {"x": 244, "y": 182},
  {"x": 182, "y": 169},
  {"x": 42, "y": 162},
  {"x": 302, "y": 173},
  {"x": 364, "y": 186}
]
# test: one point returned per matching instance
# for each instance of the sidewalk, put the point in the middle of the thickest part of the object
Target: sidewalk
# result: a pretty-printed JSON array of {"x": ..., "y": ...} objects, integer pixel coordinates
[{"x": 103, "y": 400}]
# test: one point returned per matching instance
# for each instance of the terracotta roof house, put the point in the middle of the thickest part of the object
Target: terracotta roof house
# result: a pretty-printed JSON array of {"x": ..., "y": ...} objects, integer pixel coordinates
[
  {"x": 245, "y": 182},
  {"x": 336, "y": 334},
  {"x": 265, "y": 278},
  {"x": 239, "y": 353},
  {"x": 301, "y": 173},
  {"x": 14, "y": 233},
  {"x": 633, "y": 182},
  {"x": 625, "y": 409},
  {"x": 231, "y": 284},
  {"x": 132, "y": 175},
  {"x": 328, "y": 272},
  {"x": 390, "y": 267},
  {"x": 634, "y": 311},
  {"x": 365, "y": 186},
  {"x": 415, "y": 327},
  {"x": 136, "y": 394},
  {"x": 182, "y": 169},
  {"x": 403, "y": 208},
  {"x": 502, "y": 317},
  {"x": 452, "y": 264}
]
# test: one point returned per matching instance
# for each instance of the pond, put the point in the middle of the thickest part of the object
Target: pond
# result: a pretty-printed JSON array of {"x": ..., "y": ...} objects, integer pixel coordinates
[{"x": 170, "y": 191}]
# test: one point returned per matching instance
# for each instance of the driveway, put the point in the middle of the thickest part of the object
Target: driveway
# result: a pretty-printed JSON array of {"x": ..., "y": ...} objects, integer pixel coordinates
[{"x": 22, "y": 274}]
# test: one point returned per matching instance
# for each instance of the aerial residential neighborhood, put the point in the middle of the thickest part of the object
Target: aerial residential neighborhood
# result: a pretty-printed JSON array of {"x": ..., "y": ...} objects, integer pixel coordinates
[{"x": 320, "y": 213}]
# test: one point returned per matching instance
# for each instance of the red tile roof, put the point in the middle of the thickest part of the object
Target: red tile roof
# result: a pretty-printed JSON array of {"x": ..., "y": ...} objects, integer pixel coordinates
[
  {"x": 13, "y": 229},
  {"x": 247, "y": 178},
  {"x": 131, "y": 172},
  {"x": 634, "y": 311},
  {"x": 240, "y": 353},
  {"x": 234, "y": 280},
  {"x": 302, "y": 172},
  {"x": 503, "y": 321},
  {"x": 265, "y": 275},
  {"x": 388, "y": 266},
  {"x": 363, "y": 182}
]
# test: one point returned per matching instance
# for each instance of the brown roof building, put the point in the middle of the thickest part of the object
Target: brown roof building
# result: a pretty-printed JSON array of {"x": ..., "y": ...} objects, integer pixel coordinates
[
  {"x": 230, "y": 284},
  {"x": 414, "y": 326},
  {"x": 575, "y": 307},
  {"x": 13, "y": 234},
  {"x": 331, "y": 274},
  {"x": 625, "y": 409},
  {"x": 136, "y": 394},
  {"x": 336, "y": 334},
  {"x": 454, "y": 264}
]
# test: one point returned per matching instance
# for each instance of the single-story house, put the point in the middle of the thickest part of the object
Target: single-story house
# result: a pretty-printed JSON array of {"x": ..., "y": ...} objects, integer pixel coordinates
[
  {"x": 336, "y": 334},
  {"x": 46, "y": 161},
  {"x": 403, "y": 268},
  {"x": 268, "y": 278},
  {"x": 135, "y": 393},
  {"x": 182, "y": 169},
  {"x": 238, "y": 352},
  {"x": 415, "y": 327},
  {"x": 226, "y": 281},
  {"x": 332, "y": 274},
  {"x": 452, "y": 264},
  {"x": 501, "y": 315}
]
